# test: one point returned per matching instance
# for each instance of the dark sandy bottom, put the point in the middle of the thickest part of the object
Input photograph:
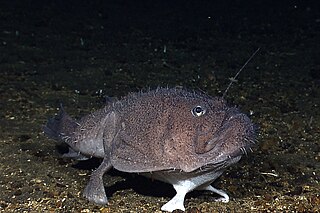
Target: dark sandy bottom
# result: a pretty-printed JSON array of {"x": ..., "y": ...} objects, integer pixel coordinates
[{"x": 79, "y": 53}]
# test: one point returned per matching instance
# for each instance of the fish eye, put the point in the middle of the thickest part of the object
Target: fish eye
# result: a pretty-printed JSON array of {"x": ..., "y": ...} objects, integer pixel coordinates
[{"x": 198, "y": 111}]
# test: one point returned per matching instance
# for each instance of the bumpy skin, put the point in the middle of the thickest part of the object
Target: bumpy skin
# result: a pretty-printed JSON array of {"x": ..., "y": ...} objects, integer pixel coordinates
[{"x": 183, "y": 138}]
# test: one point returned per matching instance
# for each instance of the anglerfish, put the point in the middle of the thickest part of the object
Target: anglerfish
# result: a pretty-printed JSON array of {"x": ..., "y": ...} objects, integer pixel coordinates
[{"x": 181, "y": 137}]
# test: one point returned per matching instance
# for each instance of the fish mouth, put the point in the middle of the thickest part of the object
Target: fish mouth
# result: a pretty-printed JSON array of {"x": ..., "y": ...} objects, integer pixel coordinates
[{"x": 232, "y": 139}]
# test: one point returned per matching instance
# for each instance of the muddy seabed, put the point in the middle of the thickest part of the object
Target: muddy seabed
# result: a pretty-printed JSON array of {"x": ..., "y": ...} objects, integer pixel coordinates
[{"x": 80, "y": 52}]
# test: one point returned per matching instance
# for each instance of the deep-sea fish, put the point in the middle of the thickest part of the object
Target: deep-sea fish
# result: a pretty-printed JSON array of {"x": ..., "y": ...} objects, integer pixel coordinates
[{"x": 177, "y": 136}]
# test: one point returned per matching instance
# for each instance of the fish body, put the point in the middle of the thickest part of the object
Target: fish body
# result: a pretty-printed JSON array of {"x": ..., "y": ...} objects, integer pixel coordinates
[{"x": 180, "y": 137}]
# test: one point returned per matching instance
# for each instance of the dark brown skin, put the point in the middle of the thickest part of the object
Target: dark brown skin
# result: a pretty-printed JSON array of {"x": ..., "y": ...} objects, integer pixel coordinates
[{"x": 159, "y": 131}]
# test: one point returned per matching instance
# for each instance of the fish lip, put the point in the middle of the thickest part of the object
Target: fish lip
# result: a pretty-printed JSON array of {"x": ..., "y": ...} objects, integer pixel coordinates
[{"x": 223, "y": 146}]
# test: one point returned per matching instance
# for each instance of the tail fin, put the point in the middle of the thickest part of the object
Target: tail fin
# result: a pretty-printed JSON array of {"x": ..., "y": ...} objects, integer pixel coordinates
[{"x": 60, "y": 127}]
